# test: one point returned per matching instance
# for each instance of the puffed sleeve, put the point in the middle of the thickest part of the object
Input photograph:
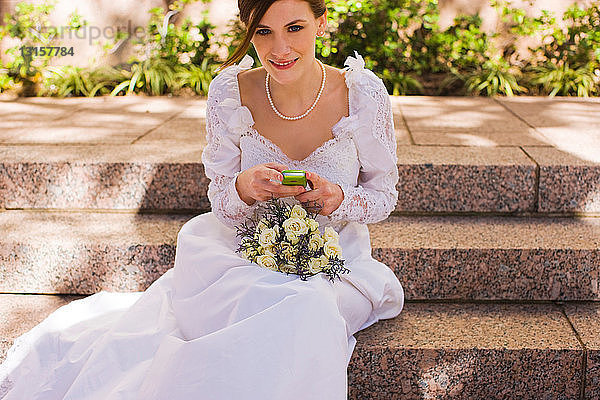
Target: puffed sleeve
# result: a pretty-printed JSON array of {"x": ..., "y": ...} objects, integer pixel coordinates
[
  {"x": 226, "y": 119},
  {"x": 375, "y": 196}
]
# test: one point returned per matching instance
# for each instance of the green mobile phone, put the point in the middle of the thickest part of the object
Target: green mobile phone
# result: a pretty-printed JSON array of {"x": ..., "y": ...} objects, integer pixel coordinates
[{"x": 294, "y": 177}]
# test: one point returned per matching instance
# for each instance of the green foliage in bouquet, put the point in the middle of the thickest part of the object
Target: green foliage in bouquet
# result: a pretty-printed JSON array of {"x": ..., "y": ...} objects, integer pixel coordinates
[{"x": 287, "y": 239}]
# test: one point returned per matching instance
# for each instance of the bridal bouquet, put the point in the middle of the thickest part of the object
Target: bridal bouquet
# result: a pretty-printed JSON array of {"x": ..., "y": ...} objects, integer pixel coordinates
[{"x": 287, "y": 239}]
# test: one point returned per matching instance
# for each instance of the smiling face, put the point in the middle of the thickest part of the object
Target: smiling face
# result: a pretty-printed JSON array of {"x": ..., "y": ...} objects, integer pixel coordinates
[{"x": 285, "y": 40}]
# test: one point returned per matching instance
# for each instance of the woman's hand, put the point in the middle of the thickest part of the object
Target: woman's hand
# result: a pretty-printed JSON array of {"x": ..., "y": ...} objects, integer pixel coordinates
[
  {"x": 262, "y": 181},
  {"x": 323, "y": 192}
]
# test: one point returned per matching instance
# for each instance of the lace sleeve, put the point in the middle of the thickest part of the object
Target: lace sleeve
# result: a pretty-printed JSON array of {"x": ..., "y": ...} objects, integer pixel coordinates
[
  {"x": 221, "y": 156},
  {"x": 375, "y": 196}
]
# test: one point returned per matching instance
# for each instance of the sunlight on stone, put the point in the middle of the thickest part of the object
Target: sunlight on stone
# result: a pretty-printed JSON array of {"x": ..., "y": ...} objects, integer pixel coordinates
[
  {"x": 159, "y": 105},
  {"x": 444, "y": 379},
  {"x": 592, "y": 200},
  {"x": 473, "y": 140},
  {"x": 582, "y": 144}
]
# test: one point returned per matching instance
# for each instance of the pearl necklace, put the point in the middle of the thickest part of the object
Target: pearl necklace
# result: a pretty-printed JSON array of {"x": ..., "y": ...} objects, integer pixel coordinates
[{"x": 307, "y": 111}]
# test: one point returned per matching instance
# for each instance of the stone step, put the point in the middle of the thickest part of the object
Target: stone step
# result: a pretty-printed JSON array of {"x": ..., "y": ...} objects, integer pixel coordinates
[
  {"x": 480, "y": 351},
  {"x": 467, "y": 258},
  {"x": 159, "y": 176},
  {"x": 440, "y": 350}
]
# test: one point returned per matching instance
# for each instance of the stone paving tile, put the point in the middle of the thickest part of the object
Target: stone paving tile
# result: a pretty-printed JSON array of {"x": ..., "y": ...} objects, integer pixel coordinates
[
  {"x": 434, "y": 258},
  {"x": 15, "y": 116},
  {"x": 582, "y": 143},
  {"x": 14, "y": 112},
  {"x": 468, "y": 351},
  {"x": 83, "y": 253},
  {"x": 84, "y": 154},
  {"x": 545, "y": 112},
  {"x": 402, "y": 133},
  {"x": 490, "y": 258},
  {"x": 464, "y": 121},
  {"x": 567, "y": 182},
  {"x": 586, "y": 321},
  {"x": 119, "y": 120},
  {"x": 178, "y": 131},
  {"x": 449, "y": 179},
  {"x": 68, "y": 132},
  {"x": 567, "y": 123},
  {"x": 78, "y": 176},
  {"x": 142, "y": 176}
]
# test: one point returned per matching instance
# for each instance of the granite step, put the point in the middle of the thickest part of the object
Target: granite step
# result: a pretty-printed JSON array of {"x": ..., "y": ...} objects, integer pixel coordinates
[
  {"x": 461, "y": 258},
  {"x": 440, "y": 350},
  {"x": 433, "y": 179}
]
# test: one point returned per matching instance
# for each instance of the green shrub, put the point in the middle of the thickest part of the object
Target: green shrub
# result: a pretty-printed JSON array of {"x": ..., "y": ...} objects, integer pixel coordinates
[
  {"x": 29, "y": 25},
  {"x": 171, "y": 57},
  {"x": 568, "y": 61},
  {"x": 68, "y": 80},
  {"x": 400, "y": 40},
  {"x": 564, "y": 80},
  {"x": 492, "y": 78}
]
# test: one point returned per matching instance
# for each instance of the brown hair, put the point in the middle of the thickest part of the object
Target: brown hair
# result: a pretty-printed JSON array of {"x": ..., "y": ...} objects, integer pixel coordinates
[{"x": 251, "y": 12}]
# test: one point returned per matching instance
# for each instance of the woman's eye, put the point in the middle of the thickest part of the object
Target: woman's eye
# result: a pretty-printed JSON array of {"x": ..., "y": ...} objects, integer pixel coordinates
[
  {"x": 296, "y": 28},
  {"x": 263, "y": 31}
]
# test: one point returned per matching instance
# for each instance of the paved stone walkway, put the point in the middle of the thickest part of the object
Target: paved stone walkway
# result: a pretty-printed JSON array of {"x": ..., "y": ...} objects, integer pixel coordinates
[{"x": 571, "y": 125}]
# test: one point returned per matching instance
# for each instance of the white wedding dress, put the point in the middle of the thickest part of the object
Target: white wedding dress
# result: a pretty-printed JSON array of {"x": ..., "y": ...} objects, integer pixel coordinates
[{"x": 217, "y": 326}]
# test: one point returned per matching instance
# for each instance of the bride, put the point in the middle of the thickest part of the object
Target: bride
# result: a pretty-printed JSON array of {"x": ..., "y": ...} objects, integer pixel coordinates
[{"x": 217, "y": 326}]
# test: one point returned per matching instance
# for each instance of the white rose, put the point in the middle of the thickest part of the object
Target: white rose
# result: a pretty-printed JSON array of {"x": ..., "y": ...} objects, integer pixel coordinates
[
  {"x": 324, "y": 261},
  {"x": 288, "y": 268},
  {"x": 267, "y": 237},
  {"x": 262, "y": 225},
  {"x": 331, "y": 234},
  {"x": 332, "y": 249},
  {"x": 312, "y": 224},
  {"x": 298, "y": 211},
  {"x": 315, "y": 265},
  {"x": 315, "y": 242},
  {"x": 268, "y": 251},
  {"x": 291, "y": 236},
  {"x": 267, "y": 261},
  {"x": 295, "y": 225}
]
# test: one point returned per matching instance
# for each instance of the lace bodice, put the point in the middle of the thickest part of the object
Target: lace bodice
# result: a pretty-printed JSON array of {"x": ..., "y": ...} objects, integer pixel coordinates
[{"x": 361, "y": 156}]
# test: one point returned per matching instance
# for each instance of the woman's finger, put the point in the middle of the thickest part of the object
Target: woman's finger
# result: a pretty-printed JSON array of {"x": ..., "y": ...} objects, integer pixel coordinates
[
  {"x": 279, "y": 167},
  {"x": 276, "y": 177},
  {"x": 310, "y": 198},
  {"x": 314, "y": 179}
]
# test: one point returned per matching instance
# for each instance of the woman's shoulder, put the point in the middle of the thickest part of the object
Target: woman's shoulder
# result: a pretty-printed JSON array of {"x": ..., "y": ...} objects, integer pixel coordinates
[
  {"x": 357, "y": 74},
  {"x": 226, "y": 83}
]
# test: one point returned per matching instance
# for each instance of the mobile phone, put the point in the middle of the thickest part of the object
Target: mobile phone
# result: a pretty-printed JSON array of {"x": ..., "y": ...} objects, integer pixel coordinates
[{"x": 294, "y": 177}]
